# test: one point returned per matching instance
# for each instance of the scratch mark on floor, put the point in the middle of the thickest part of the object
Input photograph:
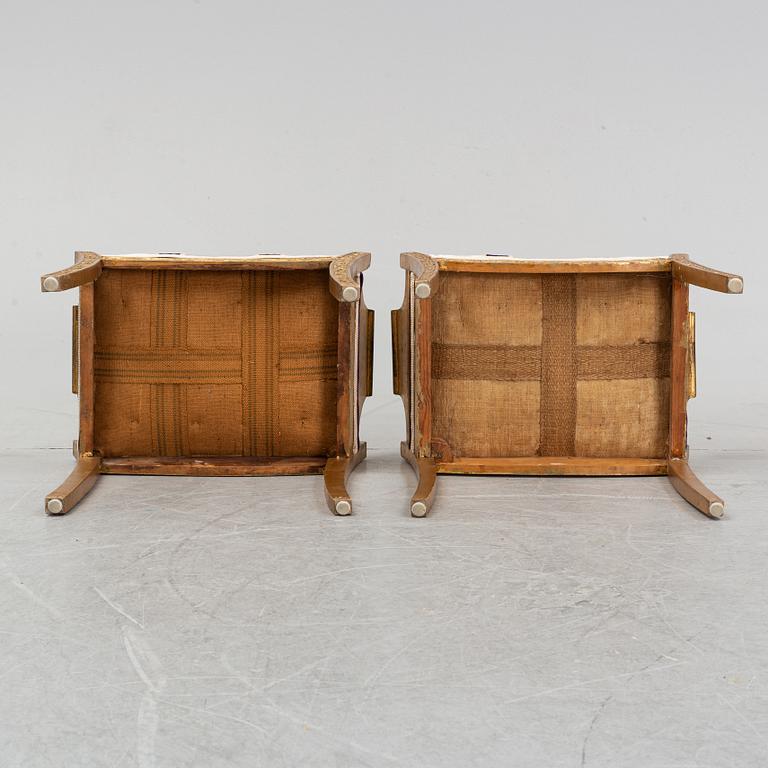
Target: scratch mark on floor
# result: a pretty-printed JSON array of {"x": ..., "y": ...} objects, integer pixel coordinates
[
  {"x": 117, "y": 607},
  {"x": 147, "y": 719},
  {"x": 20, "y": 585},
  {"x": 589, "y": 682}
]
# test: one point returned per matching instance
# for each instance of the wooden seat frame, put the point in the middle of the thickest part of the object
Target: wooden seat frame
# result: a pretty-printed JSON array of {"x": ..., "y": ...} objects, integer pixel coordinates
[
  {"x": 412, "y": 374},
  {"x": 355, "y": 381}
]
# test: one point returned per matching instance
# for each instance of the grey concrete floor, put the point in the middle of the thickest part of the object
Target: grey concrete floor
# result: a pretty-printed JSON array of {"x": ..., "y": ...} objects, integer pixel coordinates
[{"x": 526, "y": 622}]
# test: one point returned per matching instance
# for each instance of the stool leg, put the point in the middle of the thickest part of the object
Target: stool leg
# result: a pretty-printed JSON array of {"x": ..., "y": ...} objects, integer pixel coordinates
[
  {"x": 685, "y": 482},
  {"x": 81, "y": 479},
  {"x": 337, "y": 470},
  {"x": 426, "y": 474}
]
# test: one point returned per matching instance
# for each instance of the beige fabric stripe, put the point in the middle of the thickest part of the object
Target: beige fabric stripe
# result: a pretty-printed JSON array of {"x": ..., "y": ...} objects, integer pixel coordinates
[
  {"x": 648, "y": 360},
  {"x": 169, "y": 416},
  {"x": 558, "y": 365},
  {"x": 317, "y": 365},
  {"x": 257, "y": 370},
  {"x": 486, "y": 363},
  {"x": 165, "y": 370},
  {"x": 168, "y": 308},
  {"x": 171, "y": 366}
]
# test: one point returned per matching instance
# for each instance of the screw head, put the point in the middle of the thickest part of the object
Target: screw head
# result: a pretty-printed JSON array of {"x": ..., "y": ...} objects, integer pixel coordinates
[
  {"x": 343, "y": 508},
  {"x": 54, "y": 506},
  {"x": 423, "y": 290},
  {"x": 51, "y": 283},
  {"x": 419, "y": 509},
  {"x": 350, "y": 293}
]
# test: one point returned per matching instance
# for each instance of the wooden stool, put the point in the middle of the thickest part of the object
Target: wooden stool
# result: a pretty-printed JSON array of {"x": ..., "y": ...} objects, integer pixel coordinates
[
  {"x": 217, "y": 366},
  {"x": 510, "y": 367}
]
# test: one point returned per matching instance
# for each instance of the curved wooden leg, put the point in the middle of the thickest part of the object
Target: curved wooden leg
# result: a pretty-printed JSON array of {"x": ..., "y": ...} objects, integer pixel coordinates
[
  {"x": 337, "y": 470},
  {"x": 426, "y": 473},
  {"x": 81, "y": 479},
  {"x": 693, "y": 490}
]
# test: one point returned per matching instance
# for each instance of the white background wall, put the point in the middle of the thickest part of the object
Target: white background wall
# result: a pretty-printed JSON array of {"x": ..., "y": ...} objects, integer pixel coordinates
[{"x": 544, "y": 130}]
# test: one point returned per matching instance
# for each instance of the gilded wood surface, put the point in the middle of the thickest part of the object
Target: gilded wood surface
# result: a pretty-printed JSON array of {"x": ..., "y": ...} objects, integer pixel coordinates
[{"x": 344, "y": 273}]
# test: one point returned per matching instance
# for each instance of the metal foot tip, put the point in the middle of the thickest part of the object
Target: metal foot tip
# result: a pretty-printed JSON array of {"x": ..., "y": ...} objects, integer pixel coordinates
[
  {"x": 51, "y": 284},
  {"x": 419, "y": 509},
  {"x": 735, "y": 285},
  {"x": 716, "y": 509},
  {"x": 350, "y": 293},
  {"x": 54, "y": 506},
  {"x": 423, "y": 290},
  {"x": 343, "y": 508}
]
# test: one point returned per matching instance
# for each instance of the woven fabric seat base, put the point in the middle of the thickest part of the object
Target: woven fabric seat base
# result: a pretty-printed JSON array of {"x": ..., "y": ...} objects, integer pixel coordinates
[
  {"x": 551, "y": 365},
  {"x": 206, "y": 363}
]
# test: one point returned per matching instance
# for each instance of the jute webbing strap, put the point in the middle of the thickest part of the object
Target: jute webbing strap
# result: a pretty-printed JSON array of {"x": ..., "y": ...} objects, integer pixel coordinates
[
  {"x": 169, "y": 366},
  {"x": 168, "y": 309},
  {"x": 558, "y": 365},
  {"x": 488, "y": 363},
  {"x": 162, "y": 366},
  {"x": 646, "y": 360},
  {"x": 169, "y": 434},
  {"x": 260, "y": 350}
]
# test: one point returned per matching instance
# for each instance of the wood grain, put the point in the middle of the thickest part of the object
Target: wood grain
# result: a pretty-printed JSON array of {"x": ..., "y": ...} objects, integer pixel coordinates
[
  {"x": 520, "y": 266},
  {"x": 78, "y": 483},
  {"x": 86, "y": 380},
  {"x": 345, "y": 400},
  {"x": 337, "y": 471},
  {"x": 685, "y": 482},
  {"x": 423, "y": 378},
  {"x": 553, "y": 465},
  {"x": 426, "y": 488},
  {"x": 86, "y": 269},
  {"x": 214, "y": 466},
  {"x": 182, "y": 261},
  {"x": 678, "y": 387},
  {"x": 705, "y": 277}
]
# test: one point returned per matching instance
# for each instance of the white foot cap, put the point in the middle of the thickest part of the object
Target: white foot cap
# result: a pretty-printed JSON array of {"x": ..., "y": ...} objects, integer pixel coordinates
[
  {"x": 716, "y": 509},
  {"x": 51, "y": 284},
  {"x": 350, "y": 293},
  {"x": 343, "y": 508},
  {"x": 735, "y": 285},
  {"x": 419, "y": 509},
  {"x": 54, "y": 507},
  {"x": 423, "y": 290}
]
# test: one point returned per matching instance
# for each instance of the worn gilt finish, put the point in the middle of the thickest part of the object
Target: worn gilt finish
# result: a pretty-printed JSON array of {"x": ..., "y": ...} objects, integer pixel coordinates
[
  {"x": 222, "y": 371},
  {"x": 517, "y": 368}
]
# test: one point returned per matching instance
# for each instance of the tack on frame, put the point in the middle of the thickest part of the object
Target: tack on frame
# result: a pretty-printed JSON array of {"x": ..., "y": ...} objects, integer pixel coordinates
[
  {"x": 354, "y": 376},
  {"x": 412, "y": 347}
]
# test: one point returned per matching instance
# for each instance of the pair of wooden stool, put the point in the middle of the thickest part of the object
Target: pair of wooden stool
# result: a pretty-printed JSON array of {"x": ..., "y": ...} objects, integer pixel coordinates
[{"x": 261, "y": 365}]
